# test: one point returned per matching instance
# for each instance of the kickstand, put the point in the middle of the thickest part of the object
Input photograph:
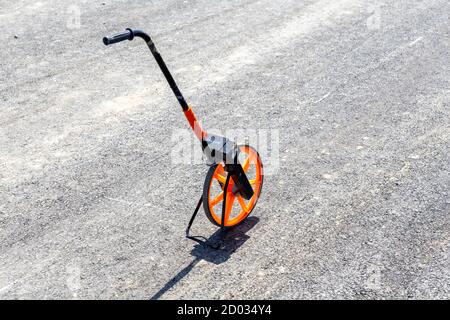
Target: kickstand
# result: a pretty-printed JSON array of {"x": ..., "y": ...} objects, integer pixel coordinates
[{"x": 202, "y": 240}]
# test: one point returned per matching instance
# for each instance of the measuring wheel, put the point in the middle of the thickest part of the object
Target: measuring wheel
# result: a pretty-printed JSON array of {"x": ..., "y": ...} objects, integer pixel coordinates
[
  {"x": 237, "y": 207},
  {"x": 230, "y": 195}
]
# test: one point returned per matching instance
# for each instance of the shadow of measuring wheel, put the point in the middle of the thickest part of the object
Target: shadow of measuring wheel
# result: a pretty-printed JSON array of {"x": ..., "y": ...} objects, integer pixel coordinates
[{"x": 232, "y": 240}]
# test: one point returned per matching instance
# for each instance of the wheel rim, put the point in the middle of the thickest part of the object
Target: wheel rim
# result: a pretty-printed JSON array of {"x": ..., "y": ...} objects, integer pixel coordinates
[{"x": 237, "y": 208}]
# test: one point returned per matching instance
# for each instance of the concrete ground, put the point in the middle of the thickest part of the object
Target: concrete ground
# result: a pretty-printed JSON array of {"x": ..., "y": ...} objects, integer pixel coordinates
[{"x": 93, "y": 206}]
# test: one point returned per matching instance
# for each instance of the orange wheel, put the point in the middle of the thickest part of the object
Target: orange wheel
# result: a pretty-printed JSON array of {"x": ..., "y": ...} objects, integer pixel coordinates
[{"x": 237, "y": 208}]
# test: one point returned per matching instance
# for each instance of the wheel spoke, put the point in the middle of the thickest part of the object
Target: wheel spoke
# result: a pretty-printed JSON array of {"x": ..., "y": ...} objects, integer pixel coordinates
[
  {"x": 246, "y": 163},
  {"x": 220, "y": 178},
  {"x": 217, "y": 199},
  {"x": 229, "y": 205},
  {"x": 242, "y": 203}
]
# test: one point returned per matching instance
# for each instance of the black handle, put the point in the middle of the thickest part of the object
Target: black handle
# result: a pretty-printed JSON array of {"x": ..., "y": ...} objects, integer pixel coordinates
[
  {"x": 129, "y": 34},
  {"x": 126, "y": 35}
]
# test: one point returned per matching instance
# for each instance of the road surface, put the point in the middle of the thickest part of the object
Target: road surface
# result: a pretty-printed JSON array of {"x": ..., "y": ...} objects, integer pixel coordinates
[{"x": 356, "y": 206}]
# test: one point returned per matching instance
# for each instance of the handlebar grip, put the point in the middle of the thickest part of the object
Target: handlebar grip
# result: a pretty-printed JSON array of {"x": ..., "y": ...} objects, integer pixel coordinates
[{"x": 126, "y": 35}]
